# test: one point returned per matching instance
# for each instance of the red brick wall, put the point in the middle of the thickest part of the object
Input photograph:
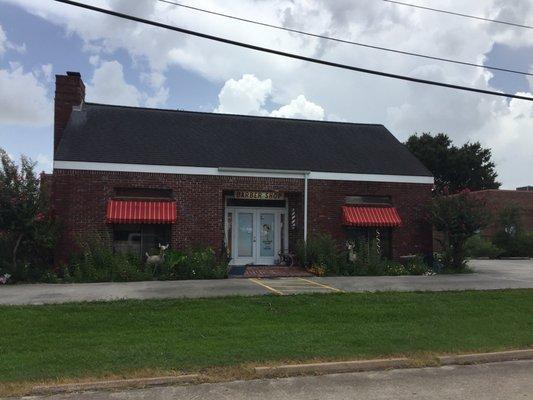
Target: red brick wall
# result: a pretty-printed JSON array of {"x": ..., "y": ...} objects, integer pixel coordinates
[
  {"x": 80, "y": 198},
  {"x": 414, "y": 236},
  {"x": 496, "y": 200}
]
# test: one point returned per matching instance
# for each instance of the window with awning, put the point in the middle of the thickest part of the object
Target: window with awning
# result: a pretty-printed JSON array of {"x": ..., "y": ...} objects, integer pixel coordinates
[
  {"x": 141, "y": 212},
  {"x": 363, "y": 216}
]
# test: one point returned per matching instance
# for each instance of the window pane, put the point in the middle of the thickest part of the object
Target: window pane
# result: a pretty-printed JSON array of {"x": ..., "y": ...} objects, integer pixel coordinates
[
  {"x": 127, "y": 239},
  {"x": 153, "y": 236},
  {"x": 245, "y": 241},
  {"x": 266, "y": 248}
]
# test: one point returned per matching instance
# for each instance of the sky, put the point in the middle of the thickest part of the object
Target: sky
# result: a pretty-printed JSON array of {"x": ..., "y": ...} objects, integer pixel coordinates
[{"x": 123, "y": 62}]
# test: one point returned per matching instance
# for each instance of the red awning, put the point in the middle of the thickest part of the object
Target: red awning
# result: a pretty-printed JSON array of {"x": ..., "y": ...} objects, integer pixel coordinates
[
  {"x": 139, "y": 211},
  {"x": 370, "y": 216}
]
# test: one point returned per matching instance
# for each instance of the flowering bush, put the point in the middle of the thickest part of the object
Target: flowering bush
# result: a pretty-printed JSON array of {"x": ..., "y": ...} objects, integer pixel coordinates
[
  {"x": 4, "y": 278},
  {"x": 27, "y": 227},
  {"x": 318, "y": 269}
]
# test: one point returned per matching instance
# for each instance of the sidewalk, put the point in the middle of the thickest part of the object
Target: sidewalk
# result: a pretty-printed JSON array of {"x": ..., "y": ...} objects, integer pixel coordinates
[{"x": 489, "y": 275}]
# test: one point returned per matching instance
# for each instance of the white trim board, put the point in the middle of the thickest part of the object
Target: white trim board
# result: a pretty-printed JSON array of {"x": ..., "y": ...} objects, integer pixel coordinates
[{"x": 212, "y": 171}]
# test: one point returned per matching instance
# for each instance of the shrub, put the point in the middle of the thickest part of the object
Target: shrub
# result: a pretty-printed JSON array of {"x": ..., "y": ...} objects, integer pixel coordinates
[
  {"x": 477, "y": 246},
  {"x": 417, "y": 266},
  {"x": 321, "y": 249},
  {"x": 96, "y": 262},
  {"x": 27, "y": 229},
  {"x": 200, "y": 263},
  {"x": 395, "y": 269},
  {"x": 518, "y": 245}
]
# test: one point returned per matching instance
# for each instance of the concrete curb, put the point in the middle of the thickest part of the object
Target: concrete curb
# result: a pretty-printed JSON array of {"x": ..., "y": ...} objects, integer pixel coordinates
[
  {"x": 391, "y": 363},
  {"x": 480, "y": 358},
  {"x": 286, "y": 370},
  {"x": 115, "y": 384},
  {"x": 331, "y": 367}
]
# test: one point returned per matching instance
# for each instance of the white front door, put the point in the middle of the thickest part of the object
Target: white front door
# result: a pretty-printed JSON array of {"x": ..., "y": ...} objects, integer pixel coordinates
[{"x": 256, "y": 235}]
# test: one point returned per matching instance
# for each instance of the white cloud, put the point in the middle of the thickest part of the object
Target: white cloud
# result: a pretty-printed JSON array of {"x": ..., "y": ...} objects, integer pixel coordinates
[
  {"x": 248, "y": 95},
  {"x": 158, "y": 99},
  {"x": 108, "y": 86},
  {"x": 6, "y": 44},
  {"x": 47, "y": 71},
  {"x": 23, "y": 98},
  {"x": 3, "y": 41},
  {"x": 245, "y": 96},
  {"x": 301, "y": 108}
]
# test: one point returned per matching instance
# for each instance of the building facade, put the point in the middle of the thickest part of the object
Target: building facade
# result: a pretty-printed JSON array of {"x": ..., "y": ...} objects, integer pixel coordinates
[
  {"x": 497, "y": 200},
  {"x": 252, "y": 187}
]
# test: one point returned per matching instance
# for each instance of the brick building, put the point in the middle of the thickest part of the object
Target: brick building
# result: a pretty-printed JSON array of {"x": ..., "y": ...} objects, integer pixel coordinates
[
  {"x": 254, "y": 186},
  {"x": 496, "y": 200}
]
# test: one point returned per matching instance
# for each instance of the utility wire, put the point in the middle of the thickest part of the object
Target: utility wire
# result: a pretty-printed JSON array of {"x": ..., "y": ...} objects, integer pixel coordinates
[
  {"x": 401, "y": 3},
  {"x": 315, "y": 35},
  {"x": 289, "y": 55}
]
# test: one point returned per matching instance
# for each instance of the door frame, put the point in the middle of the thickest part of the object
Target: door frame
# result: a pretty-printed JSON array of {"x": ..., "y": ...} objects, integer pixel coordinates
[{"x": 256, "y": 211}]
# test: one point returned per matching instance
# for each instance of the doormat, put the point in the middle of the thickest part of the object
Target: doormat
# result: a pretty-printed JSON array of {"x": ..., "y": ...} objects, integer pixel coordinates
[{"x": 237, "y": 271}]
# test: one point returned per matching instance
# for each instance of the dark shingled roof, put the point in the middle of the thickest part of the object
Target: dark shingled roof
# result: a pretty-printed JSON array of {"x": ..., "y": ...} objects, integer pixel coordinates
[{"x": 116, "y": 134}]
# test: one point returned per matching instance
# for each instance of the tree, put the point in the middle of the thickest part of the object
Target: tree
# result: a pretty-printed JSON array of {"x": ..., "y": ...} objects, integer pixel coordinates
[
  {"x": 27, "y": 231},
  {"x": 454, "y": 168},
  {"x": 457, "y": 218}
]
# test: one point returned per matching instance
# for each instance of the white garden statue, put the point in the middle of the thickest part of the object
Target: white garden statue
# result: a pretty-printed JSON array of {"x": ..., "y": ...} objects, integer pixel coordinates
[{"x": 158, "y": 258}]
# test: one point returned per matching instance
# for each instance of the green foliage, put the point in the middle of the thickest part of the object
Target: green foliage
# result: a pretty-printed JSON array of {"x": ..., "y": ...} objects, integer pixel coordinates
[
  {"x": 194, "y": 264},
  {"x": 321, "y": 250},
  {"x": 27, "y": 230},
  {"x": 324, "y": 253},
  {"x": 98, "y": 263},
  {"x": 98, "y": 339},
  {"x": 417, "y": 266},
  {"x": 511, "y": 237},
  {"x": 477, "y": 246},
  {"x": 455, "y": 168},
  {"x": 457, "y": 217}
]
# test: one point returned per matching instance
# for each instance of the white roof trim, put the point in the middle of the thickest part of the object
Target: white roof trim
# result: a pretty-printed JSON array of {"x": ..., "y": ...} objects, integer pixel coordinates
[{"x": 179, "y": 170}]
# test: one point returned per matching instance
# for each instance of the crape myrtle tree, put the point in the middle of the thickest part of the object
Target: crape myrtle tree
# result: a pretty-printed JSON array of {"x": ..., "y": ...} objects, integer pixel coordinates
[
  {"x": 27, "y": 229},
  {"x": 454, "y": 168},
  {"x": 456, "y": 218}
]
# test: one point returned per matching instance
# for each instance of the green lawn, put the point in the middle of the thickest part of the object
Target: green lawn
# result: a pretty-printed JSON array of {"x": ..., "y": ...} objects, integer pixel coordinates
[{"x": 73, "y": 340}]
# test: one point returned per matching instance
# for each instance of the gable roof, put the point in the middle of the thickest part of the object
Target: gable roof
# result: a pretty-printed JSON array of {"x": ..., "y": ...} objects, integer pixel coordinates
[{"x": 129, "y": 135}]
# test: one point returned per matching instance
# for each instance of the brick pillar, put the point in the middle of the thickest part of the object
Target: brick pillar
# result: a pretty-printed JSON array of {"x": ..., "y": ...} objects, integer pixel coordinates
[{"x": 70, "y": 92}]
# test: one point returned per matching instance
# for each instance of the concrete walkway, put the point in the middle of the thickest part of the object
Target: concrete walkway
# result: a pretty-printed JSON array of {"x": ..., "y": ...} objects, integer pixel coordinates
[
  {"x": 509, "y": 380},
  {"x": 489, "y": 275}
]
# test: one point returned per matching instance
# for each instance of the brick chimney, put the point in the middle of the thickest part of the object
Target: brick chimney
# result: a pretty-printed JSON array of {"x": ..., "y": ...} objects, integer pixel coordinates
[{"x": 70, "y": 92}]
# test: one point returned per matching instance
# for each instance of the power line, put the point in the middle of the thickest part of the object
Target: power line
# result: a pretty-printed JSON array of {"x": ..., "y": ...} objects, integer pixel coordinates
[
  {"x": 289, "y": 55},
  {"x": 315, "y": 35},
  {"x": 459, "y": 14}
]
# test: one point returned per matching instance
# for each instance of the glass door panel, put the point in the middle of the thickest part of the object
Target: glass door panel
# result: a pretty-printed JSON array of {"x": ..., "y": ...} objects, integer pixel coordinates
[
  {"x": 245, "y": 237},
  {"x": 266, "y": 235}
]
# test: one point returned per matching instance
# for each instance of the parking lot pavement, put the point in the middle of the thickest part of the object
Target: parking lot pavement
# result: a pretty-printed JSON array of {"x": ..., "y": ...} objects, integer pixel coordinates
[{"x": 488, "y": 275}]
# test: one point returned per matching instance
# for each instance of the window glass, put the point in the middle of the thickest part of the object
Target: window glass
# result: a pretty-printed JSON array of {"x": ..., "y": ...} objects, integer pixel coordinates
[
  {"x": 139, "y": 239},
  {"x": 127, "y": 239},
  {"x": 365, "y": 236}
]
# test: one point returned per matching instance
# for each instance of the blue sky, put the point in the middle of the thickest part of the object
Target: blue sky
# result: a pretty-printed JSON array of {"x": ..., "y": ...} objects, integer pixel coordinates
[{"x": 123, "y": 63}]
